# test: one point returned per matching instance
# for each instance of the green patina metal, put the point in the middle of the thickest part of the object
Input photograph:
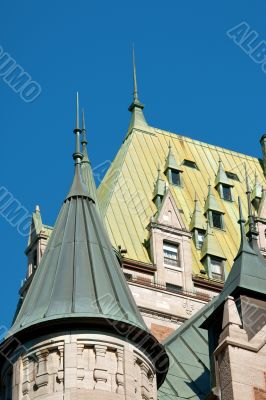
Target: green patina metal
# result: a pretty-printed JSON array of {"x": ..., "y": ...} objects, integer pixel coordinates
[
  {"x": 198, "y": 221},
  {"x": 211, "y": 204}
]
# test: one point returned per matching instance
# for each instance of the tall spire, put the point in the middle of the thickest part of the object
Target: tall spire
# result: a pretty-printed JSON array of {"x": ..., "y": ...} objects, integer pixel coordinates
[
  {"x": 136, "y": 107},
  {"x": 79, "y": 283},
  {"x": 84, "y": 141},
  {"x": 78, "y": 188},
  {"x": 86, "y": 170},
  {"x": 135, "y": 93}
]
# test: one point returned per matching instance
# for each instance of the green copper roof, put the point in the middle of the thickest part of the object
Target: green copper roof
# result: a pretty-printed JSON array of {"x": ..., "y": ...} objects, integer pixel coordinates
[
  {"x": 79, "y": 274},
  {"x": 198, "y": 220},
  {"x": 248, "y": 271},
  {"x": 171, "y": 162},
  {"x": 221, "y": 176},
  {"x": 210, "y": 245},
  {"x": 136, "y": 107},
  {"x": 188, "y": 351},
  {"x": 211, "y": 203}
]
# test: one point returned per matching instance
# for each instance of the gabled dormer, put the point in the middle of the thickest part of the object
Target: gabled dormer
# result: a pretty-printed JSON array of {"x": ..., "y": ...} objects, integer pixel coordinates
[
  {"x": 213, "y": 212},
  {"x": 222, "y": 184},
  {"x": 212, "y": 256},
  {"x": 198, "y": 225},
  {"x": 170, "y": 245},
  {"x": 172, "y": 169}
]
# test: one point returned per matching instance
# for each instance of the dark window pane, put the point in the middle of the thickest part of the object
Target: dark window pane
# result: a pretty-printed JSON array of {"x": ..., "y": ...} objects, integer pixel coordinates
[
  {"x": 226, "y": 192},
  {"x": 232, "y": 176},
  {"x": 175, "y": 176},
  {"x": 217, "y": 220},
  {"x": 190, "y": 164}
]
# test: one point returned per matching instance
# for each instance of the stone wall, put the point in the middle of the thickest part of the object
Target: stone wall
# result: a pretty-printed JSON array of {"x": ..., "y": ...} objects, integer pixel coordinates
[{"x": 81, "y": 366}]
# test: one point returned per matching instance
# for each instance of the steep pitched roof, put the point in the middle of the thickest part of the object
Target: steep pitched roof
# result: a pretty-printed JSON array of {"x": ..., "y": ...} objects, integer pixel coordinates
[
  {"x": 79, "y": 275},
  {"x": 188, "y": 351},
  {"x": 126, "y": 192}
]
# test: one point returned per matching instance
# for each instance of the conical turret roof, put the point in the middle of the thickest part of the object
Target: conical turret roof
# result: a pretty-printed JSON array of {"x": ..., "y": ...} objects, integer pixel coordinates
[{"x": 79, "y": 274}]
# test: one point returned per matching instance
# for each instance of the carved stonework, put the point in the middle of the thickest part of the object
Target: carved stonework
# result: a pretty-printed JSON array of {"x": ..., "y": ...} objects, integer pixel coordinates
[
  {"x": 120, "y": 371},
  {"x": 42, "y": 377},
  {"x": 55, "y": 369},
  {"x": 100, "y": 372}
]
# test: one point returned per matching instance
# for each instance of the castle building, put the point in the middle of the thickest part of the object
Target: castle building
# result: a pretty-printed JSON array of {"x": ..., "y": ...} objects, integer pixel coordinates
[{"x": 152, "y": 286}]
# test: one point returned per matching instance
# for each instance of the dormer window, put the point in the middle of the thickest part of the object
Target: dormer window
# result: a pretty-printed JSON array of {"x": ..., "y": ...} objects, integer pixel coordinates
[
  {"x": 216, "y": 219},
  {"x": 175, "y": 177},
  {"x": 216, "y": 268},
  {"x": 226, "y": 192},
  {"x": 199, "y": 239},
  {"x": 171, "y": 254},
  {"x": 190, "y": 164}
]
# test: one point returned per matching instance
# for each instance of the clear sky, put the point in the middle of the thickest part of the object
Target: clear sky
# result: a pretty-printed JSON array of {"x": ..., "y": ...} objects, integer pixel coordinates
[{"x": 193, "y": 79}]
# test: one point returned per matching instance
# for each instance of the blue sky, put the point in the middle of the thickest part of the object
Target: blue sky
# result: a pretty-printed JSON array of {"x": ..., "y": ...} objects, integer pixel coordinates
[{"x": 193, "y": 79}]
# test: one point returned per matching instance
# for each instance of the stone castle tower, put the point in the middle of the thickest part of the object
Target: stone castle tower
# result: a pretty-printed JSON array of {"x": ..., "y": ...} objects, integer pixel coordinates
[
  {"x": 78, "y": 333},
  {"x": 171, "y": 307}
]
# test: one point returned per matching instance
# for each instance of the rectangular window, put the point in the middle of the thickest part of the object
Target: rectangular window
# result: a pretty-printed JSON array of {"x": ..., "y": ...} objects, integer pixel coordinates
[
  {"x": 217, "y": 268},
  {"x": 226, "y": 193},
  {"x": 171, "y": 254},
  {"x": 175, "y": 177},
  {"x": 200, "y": 239},
  {"x": 217, "y": 220}
]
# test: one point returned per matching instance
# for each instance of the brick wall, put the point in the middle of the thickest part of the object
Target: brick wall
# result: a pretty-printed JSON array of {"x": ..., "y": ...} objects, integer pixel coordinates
[{"x": 161, "y": 332}]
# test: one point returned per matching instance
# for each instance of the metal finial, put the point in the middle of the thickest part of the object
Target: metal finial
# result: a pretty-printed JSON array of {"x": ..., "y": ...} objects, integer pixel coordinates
[
  {"x": 77, "y": 156},
  {"x": 83, "y": 130},
  {"x": 135, "y": 93},
  {"x": 77, "y": 110}
]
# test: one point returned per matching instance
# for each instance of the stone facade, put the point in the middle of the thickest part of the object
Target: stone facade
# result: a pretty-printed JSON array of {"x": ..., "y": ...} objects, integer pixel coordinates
[
  {"x": 79, "y": 366},
  {"x": 240, "y": 362}
]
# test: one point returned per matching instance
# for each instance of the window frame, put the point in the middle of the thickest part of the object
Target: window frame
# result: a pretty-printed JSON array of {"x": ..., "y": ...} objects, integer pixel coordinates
[
  {"x": 177, "y": 265},
  {"x": 198, "y": 243},
  {"x": 190, "y": 164},
  {"x": 222, "y": 266},
  {"x": 212, "y": 212},
  {"x": 232, "y": 176},
  {"x": 222, "y": 187}
]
